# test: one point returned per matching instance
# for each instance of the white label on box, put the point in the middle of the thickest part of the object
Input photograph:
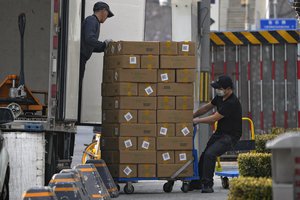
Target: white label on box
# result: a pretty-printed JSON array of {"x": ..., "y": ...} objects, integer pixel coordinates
[
  {"x": 145, "y": 145},
  {"x": 119, "y": 47},
  {"x": 128, "y": 116},
  {"x": 149, "y": 90},
  {"x": 185, "y": 47},
  {"x": 166, "y": 156},
  {"x": 164, "y": 77},
  {"x": 128, "y": 143},
  {"x": 117, "y": 104},
  {"x": 127, "y": 170},
  {"x": 112, "y": 49},
  {"x": 116, "y": 131},
  {"x": 182, "y": 156},
  {"x": 185, "y": 131},
  {"x": 116, "y": 76},
  {"x": 163, "y": 131},
  {"x": 132, "y": 60}
]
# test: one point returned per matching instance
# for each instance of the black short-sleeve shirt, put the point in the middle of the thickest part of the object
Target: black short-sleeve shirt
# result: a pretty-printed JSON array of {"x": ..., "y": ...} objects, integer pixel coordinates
[{"x": 231, "y": 109}]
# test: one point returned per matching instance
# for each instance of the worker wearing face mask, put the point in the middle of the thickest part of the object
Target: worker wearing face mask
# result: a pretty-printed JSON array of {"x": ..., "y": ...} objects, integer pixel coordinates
[{"x": 229, "y": 130}]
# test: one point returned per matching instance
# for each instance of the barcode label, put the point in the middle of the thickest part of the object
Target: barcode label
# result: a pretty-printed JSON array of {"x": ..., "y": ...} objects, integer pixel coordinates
[
  {"x": 149, "y": 90},
  {"x": 185, "y": 131},
  {"x": 164, "y": 77},
  {"x": 132, "y": 60},
  {"x": 127, "y": 170},
  {"x": 182, "y": 156},
  {"x": 128, "y": 116},
  {"x": 128, "y": 143},
  {"x": 163, "y": 131},
  {"x": 185, "y": 47},
  {"x": 166, "y": 156},
  {"x": 145, "y": 145}
]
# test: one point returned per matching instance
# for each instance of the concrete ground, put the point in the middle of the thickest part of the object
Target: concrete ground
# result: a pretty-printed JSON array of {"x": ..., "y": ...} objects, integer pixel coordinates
[{"x": 149, "y": 190}]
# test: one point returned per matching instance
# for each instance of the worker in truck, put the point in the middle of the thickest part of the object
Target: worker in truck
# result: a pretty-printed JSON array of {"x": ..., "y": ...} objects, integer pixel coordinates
[
  {"x": 90, "y": 31},
  {"x": 229, "y": 131}
]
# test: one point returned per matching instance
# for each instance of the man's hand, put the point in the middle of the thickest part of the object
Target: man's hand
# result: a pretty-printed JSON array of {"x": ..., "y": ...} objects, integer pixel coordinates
[{"x": 107, "y": 41}]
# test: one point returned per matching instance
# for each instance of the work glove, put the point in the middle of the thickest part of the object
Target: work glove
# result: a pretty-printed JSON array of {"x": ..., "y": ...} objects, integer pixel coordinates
[{"x": 107, "y": 41}]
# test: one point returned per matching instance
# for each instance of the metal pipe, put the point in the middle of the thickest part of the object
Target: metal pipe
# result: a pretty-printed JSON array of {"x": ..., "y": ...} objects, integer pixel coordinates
[
  {"x": 273, "y": 87},
  {"x": 285, "y": 89},
  {"x": 225, "y": 61},
  {"x": 261, "y": 90},
  {"x": 237, "y": 72},
  {"x": 249, "y": 82}
]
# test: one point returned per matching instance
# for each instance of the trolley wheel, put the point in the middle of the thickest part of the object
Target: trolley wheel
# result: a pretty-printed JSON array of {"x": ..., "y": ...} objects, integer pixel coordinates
[
  {"x": 118, "y": 187},
  {"x": 128, "y": 189},
  {"x": 185, "y": 187},
  {"x": 225, "y": 182},
  {"x": 168, "y": 186}
]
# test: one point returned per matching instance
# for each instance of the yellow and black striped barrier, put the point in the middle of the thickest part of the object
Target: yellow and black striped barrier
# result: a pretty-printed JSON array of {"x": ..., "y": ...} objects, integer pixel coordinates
[
  {"x": 254, "y": 37},
  {"x": 204, "y": 87}
]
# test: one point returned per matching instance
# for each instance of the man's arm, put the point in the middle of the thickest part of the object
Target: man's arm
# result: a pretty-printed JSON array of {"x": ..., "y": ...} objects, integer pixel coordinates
[
  {"x": 204, "y": 109},
  {"x": 209, "y": 119}
]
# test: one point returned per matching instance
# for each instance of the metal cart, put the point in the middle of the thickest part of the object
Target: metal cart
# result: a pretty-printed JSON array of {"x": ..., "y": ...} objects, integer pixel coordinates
[
  {"x": 242, "y": 145},
  {"x": 168, "y": 186}
]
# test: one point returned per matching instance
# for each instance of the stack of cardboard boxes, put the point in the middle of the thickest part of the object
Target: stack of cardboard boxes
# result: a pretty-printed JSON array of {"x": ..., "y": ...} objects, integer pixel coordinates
[{"x": 147, "y": 108}]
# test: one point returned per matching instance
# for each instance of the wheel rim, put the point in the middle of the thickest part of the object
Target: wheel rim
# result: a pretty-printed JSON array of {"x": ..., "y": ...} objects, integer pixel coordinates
[{"x": 90, "y": 153}]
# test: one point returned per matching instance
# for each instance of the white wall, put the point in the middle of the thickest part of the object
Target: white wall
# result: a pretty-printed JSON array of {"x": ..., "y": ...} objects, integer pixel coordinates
[{"x": 127, "y": 24}]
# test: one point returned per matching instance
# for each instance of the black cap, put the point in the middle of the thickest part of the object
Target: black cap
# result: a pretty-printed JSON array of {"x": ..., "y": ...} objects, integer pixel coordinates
[
  {"x": 100, "y": 6},
  {"x": 223, "y": 82}
]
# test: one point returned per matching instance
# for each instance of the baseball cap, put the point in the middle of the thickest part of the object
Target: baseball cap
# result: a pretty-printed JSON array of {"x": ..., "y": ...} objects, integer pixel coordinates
[
  {"x": 101, "y": 5},
  {"x": 223, "y": 82}
]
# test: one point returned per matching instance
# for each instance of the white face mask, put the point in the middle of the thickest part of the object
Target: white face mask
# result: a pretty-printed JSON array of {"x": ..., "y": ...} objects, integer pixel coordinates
[{"x": 220, "y": 93}]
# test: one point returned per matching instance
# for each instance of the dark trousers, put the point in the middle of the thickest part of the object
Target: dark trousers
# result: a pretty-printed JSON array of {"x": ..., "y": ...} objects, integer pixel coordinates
[
  {"x": 83, "y": 61},
  {"x": 217, "y": 145}
]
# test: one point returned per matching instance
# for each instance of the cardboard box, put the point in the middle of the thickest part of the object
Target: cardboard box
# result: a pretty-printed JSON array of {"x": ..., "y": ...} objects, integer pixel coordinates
[
  {"x": 122, "y": 62},
  {"x": 168, "y": 48},
  {"x": 174, "y": 143},
  {"x": 166, "y": 76},
  {"x": 119, "y": 89},
  {"x": 135, "y": 75},
  {"x": 108, "y": 76},
  {"x": 185, "y": 103},
  {"x": 147, "y": 116},
  {"x": 119, "y": 116},
  {"x": 184, "y": 129},
  {"x": 127, "y": 103},
  {"x": 186, "y": 48},
  {"x": 165, "y": 130},
  {"x": 165, "y": 157},
  {"x": 167, "y": 170},
  {"x": 174, "y": 116},
  {"x": 123, "y": 171},
  {"x": 129, "y": 157},
  {"x": 166, "y": 103},
  {"x": 147, "y": 89},
  {"x": 149, "y": 62},
  {"x": 177, "y": 62},
  {"x": 138, "y": 48},
  {"x": 175, "y": 89},
  {"x": 185, "y": 75},
  {"x": 146, "y": 171},
  {"x": 182, "y": 157},
  {"x": 147, "y": 143},
  {"x": 111, "y": 49},
  {"x": 119, "y": 130},
  {"x": 118, "y": 143}
]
